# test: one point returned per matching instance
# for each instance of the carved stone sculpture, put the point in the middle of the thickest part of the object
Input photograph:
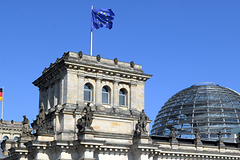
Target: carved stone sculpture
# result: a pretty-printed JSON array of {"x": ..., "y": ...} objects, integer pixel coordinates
[
  {"x": 132, "y": 64},
  {"x": 25, "y": 129},
  {"x": 142, "y": 123},
  {"x": 197, "y": 137},
  {"x": 43, "y": 127},
  {"x": 138, "y": 128},
  {"x": 86, "y": 120},
  {"x": 173, "y": 134},
  {"x": 98, "y": 58},
  {"x": 238, "y": 138},
  {"x": 115, "y": 61},
  {"x": 143, "y": 120},
  {"x": 41, "y": 117},
  {"x": 80, "y": 54},
  {"x": 220, "y": 137}
]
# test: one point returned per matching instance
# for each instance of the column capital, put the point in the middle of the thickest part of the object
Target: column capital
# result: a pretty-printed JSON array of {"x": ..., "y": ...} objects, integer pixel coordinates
[
  {"x": 98, "y": 78},
  {"x": 81, "y": 75},
  {"x": 116, "y": 81},
  {"x": 133, "y": 84}
]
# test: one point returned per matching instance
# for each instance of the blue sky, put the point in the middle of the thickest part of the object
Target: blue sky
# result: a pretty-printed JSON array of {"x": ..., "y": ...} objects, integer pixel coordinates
[{"x": 179, "y": 42}]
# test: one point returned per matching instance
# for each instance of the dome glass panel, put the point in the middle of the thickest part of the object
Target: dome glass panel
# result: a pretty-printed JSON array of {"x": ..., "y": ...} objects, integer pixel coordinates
[{"x": 207, "y": 107}]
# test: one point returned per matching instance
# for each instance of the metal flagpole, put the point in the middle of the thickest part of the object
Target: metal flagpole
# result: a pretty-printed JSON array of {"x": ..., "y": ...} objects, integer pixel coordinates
[
  {"x": 2, "y": 103},
  {"x": 91, "y": 34}
]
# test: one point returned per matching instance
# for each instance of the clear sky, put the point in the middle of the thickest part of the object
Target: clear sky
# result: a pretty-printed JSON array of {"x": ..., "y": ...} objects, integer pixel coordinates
[{"x": 179, "y": 42}]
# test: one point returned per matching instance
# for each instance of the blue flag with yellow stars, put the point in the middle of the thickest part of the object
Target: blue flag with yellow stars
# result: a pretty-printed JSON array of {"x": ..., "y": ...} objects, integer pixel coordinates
[{"x": 102, "y": 18}]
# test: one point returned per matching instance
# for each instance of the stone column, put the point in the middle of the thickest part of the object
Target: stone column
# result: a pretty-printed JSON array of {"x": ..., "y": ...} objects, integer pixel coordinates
[
  {"x": 64, "y": 155},
  {"x": 88, "y": 154},
  {"x": 133, "y": 96},
  {"x": 98, "y": 92},
  {"x": 49, "y": 97},
  {"x": 55, "y": 94},
  {"x": 64, "y": 89},
  {"x": 42, "y": 98},
  {"x": 140, "y": 154},
  {"x": 60, "y": 91},
  {"x": 115, "y": 94},
  {"x": 80, "y": 90},
  {"x": 40, "y": 155},
  {"x": 23, "y": 158}
]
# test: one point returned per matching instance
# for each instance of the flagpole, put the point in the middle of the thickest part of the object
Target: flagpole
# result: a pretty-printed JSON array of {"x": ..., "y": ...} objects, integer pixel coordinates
[
  {"x": 91, "y": 34},
  {"x": 2, "y": 103}
]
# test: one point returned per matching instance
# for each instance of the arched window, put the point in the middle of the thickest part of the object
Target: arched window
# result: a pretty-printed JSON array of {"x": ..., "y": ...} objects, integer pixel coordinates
[
  {"x": 88, "y": 92},
  {"x": 16, "y": 138},
  {"x": 106, "y": 95},
  {"x": 122, "y": 97},
  {"x": 5, "y": 137}
]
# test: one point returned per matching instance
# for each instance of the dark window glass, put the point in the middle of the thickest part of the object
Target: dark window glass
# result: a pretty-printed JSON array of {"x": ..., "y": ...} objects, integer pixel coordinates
[
  {"x": 88, "y": 92},
  {"x": 5, "y": 137},
  {"x": 122, "y": 97},
  {"x": 105, "y": 95}
]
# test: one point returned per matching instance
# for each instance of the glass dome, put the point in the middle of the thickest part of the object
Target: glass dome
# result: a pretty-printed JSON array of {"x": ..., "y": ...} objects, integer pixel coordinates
[{"x": 207, "y": 107}]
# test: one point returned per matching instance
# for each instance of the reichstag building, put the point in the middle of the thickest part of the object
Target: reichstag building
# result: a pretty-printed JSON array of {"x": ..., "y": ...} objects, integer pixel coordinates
[{"x": 92, "y": 108}]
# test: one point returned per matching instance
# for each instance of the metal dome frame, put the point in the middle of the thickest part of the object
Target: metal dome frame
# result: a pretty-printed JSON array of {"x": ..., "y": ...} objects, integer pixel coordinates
[{"x": 207, "y": 107}]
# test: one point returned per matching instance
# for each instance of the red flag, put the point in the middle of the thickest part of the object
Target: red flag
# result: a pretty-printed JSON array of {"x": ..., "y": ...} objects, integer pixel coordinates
[{"x": 1, "y": 94}]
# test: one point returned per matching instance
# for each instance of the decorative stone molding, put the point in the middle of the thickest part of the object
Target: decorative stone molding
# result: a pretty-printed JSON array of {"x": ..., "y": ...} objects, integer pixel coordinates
[
  {"x": 132, "y": 64},
  {"x": 115, "y": 61},
  {"x": 98, "y": 57},
  {"x": 80, "y": 54}
]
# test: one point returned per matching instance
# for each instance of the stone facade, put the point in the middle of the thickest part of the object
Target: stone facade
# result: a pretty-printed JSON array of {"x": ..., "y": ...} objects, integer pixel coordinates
[
  {"x": 10, "y": 132},
  {"x": 91, "y": 108}
]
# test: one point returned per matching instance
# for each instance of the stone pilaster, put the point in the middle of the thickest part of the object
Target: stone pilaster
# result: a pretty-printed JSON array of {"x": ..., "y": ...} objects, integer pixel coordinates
[
  {"x": 80, "y": 90},
  {"x": 55, "y": 94},
  {"x": 61, "y": 84},
  {"x": 48, "y": 97},
  {"x": 133, "y": 95},
  {"x": 98, "y": 92},
  {"x": 115, "y": 94},
  {"x": 64, "y": 155},
  {"x": 41, "y": 155},
  {"x": 88, "y": 154}
]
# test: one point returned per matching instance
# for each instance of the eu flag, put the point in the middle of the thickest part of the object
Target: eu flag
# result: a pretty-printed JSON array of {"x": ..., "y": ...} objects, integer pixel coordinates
[{"x": 102, "y": 18}]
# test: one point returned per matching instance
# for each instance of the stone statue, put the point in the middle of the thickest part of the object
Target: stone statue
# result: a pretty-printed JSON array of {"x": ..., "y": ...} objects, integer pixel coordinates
[
  {"x": 173, "y": 134},
  {"x": 238, "y": 138},
  {"x": 25, "y": 129},
  {"x": 43, "y": 127},
  {"x": 86, "y": 120},
  {"x": 41, "y": 117},
  {"x": 220, "y": 137},
  {"x": 197, "y": 136},
  {"x": 138, "y": 128},
  {"x": 88, "y": 117},
  {"x": 142, "y": 123},
  {"x": 143, "y": 120}
]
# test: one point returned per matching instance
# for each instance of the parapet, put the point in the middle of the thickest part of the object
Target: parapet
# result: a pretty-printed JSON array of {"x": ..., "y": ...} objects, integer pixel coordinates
[{"x": 87, "y": 63}]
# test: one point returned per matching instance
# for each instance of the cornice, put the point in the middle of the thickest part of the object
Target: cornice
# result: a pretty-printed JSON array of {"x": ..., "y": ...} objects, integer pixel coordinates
[
  {"x": 89, "y": 66},
  {"x": 107, "y": 71}
]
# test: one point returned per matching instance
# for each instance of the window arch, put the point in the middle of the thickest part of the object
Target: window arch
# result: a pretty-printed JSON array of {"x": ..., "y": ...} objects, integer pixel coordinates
[
  {"x": 106, "y": 95},
  {"x": 122, "y": 97},
  {"x": 5, "y": 137},
  {"x": 16, "y": 138},
  {"x": 88, "y": 92}
]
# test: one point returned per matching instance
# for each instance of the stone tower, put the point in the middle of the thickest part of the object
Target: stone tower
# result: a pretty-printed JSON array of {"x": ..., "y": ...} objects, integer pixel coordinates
[
  {"x": 89, "y": 108},
  {"x": 113, "y": 89}
]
